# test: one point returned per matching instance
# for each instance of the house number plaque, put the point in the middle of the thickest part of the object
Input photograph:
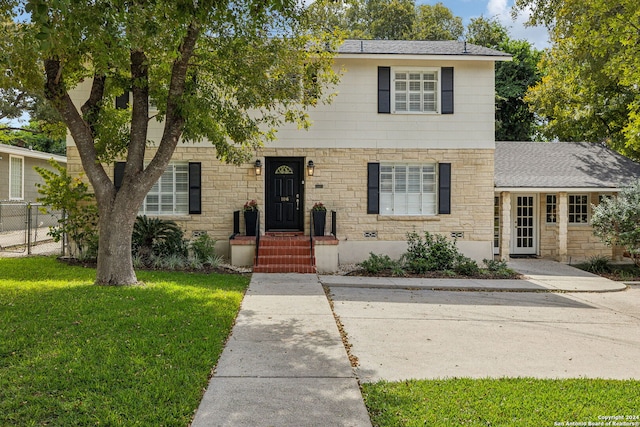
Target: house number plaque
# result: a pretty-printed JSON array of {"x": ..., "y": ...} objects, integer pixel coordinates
[{"x": 284, "y": 199}]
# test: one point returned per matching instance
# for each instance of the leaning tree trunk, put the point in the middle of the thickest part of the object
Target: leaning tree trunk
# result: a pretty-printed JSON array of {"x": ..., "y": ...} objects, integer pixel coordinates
[{"x": 115, "y": 265}]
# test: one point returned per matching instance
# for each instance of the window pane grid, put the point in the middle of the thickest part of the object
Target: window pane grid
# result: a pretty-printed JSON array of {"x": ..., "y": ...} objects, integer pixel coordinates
[
  {"x": 551, "y": 208},
  {"x": 578, "y": 208},
  {"x": 170, "y": 195},
  {"x": 416, "y": 91},
  {"x": 408, "y": 189}
]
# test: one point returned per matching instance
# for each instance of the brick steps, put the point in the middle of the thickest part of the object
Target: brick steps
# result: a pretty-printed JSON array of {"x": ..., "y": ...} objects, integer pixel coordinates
[{"x": 284, "y": 253}]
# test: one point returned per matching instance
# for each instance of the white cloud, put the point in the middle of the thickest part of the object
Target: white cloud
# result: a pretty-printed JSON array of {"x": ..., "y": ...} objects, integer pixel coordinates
[{"x": 501, "y": 9}]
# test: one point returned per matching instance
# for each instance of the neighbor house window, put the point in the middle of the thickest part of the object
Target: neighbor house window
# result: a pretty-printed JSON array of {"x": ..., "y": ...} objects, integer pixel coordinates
[
  {"x": 415, "y": 91},
  {"x": 496, "y": 223},
  {"x": 578, "y": 208},
  {"x": 170, "y": 195},
  {"x": 408, "y": 189},
  {"x": 16, "y": 178},
  {"x": 551, "y": 209}
]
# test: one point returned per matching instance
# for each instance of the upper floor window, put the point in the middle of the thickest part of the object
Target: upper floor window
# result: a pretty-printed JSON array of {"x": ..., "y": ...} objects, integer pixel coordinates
[
  {"x": 415, "y": 91},
  {"x": 170, "y": 195},
  {"x": 578, "y": 208},
  {"x": 405, "y": 90},
  {"x": 16, "y": 178},
  {"x": 408, "y": 189}
]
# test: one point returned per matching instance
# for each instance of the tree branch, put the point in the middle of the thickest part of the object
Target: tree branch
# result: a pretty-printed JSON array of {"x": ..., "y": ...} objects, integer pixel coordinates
[
  {"x": 80, "y": 130},
  {"x": 174, "y": 121},
  {"x": 140, "y": 112},
  {"x": 91, "y": 108}
]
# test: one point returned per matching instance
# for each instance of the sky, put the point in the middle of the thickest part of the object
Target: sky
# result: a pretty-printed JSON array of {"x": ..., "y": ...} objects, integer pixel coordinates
[{"x": 500, "y": 9}]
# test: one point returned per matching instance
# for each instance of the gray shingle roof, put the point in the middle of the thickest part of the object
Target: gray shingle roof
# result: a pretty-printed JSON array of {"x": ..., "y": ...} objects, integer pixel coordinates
[
  {"x": 562, "y": 165},
  {"x": 417, "y": 47}
]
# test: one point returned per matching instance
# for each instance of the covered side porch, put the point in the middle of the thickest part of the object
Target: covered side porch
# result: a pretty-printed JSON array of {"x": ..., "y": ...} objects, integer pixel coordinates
[{"x": 544, "y": 196}]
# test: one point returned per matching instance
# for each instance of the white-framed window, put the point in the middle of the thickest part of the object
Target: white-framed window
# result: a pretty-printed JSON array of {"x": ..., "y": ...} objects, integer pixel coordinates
[
  {"x": 170, "y": 195},
  {"x": 551, "y": 209},
  {"x": 16, "y": 177},
  {"x": 408, "y": 189},
  {"x": 578, "y": 208},
  {"x": 496, "y": 224},
  {"x": 416, "y": 90}
]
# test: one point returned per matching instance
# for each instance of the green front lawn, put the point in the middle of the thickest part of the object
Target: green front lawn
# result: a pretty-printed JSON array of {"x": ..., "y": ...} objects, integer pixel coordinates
[
  {"x": 72, "y": 353},
  {"x": 503, "y": 402}
]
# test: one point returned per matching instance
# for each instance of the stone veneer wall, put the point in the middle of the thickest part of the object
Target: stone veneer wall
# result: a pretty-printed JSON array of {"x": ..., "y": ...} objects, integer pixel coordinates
[
  {"x": 581, "y": 243},
  {"x": 340, "y": 182}
]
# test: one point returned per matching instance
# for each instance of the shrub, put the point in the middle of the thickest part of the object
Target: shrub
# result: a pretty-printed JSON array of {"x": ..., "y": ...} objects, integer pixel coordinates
[
  {"x": 598, "y": 264},
  {"x": 61, "y": 192},
  {"x": 616, "y": 220},
  {"x": 203, "y": 247},
  {"x": 466, "y": 266},
  {"x": 377, "y": 263},
  {"x": 154, "y": 237},
  {"x": 495, "y": 266},
  {"x": 434, "y": 253}
]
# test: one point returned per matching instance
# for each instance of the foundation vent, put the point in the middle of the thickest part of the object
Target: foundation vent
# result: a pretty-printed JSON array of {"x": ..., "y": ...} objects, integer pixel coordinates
[
  {"x": 370, "y": 234},
  {"x": 457, "y": 234},
  {"x": 197, "y": 233}
]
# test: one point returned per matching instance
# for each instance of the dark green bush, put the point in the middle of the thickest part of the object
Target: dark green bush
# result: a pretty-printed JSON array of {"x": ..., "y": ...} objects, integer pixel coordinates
[
  {"x": 155, "y": 237},
  {"x": 378, "y": 263},
  {"x": 598, "y": 264},
  {"x": 203, "y": 247},
  {"x": 495, "y": 265},
  {"x": 466, "y": 266},
  {"x": 434, "y": 253}
]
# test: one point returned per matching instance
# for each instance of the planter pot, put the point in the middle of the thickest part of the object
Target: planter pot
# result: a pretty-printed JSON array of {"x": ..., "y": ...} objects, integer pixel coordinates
[
  {"x": 319, "y": 222},
  {"x": 250, "y": 222}
]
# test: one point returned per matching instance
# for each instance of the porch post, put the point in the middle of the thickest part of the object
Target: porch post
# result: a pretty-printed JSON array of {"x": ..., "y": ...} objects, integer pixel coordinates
[
  {"x": 505, "y": 231},
  {"x": 563, "y": 224}
]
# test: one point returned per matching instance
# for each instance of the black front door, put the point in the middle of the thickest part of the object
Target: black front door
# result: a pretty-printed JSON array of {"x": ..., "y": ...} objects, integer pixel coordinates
[{"x": 284, "y": 193}]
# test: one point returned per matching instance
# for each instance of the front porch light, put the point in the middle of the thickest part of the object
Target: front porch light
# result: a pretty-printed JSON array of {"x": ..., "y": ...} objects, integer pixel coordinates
[
  {"x": 258, "y": 167},
  {"x": 310, "y": 168}
]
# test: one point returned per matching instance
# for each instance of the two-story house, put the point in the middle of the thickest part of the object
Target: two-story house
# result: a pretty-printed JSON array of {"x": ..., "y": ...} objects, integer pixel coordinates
[{"x": 407, "y": 144}]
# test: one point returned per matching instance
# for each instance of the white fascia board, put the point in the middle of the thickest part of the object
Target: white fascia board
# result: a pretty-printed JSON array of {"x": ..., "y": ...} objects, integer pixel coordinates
[
  {"x": 558, "y": 189},
  {"x": 394, "y": 56},
  {"x": 25, "y": 152}
]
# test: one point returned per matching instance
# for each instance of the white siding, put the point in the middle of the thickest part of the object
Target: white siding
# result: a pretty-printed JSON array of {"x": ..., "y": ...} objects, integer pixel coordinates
[{"x": 352, "y": 120}]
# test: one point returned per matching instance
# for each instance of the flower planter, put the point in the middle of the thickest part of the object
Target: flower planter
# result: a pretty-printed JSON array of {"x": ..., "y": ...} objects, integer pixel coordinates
[
  {"x": 319, "y": 222},
  {"x": 250, "y": 222}
]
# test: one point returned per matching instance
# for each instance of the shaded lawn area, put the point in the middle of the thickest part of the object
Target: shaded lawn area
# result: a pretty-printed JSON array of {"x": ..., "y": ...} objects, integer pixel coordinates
[
  {"x": 503, "y": 402},
  {"x": 72, "y": 353}
]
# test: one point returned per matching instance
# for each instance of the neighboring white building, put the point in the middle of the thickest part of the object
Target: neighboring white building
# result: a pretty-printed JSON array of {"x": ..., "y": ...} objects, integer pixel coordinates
[{"x": 18, "y": 177}]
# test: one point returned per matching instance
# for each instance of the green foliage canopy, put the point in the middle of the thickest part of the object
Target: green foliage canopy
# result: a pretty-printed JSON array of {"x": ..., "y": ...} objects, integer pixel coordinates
[{"x": 590, "y": 88}]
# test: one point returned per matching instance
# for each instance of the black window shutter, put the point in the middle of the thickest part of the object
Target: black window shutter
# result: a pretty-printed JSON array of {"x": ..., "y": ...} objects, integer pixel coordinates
[
  {"x": 444, "y": 188},
  {"x": 122, "y": 101},
  {"x": 447, "y": 90},
  {"x": 195, "y": 188},
  {"x": 373, "y": 188},
  {"x": 384, "y": 90},
  {"x": 118, "y": 174}
]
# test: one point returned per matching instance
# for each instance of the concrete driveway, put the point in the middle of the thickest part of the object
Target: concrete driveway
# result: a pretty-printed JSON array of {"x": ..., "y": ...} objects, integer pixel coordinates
[{"x": 400, "y": 334}]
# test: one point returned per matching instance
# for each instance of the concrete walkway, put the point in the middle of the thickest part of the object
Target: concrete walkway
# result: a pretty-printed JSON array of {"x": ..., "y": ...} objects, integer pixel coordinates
[{"x": 285, "y": 363}]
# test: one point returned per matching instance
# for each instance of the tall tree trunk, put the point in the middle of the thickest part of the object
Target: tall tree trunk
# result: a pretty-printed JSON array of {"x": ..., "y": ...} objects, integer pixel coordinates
[{"x": 115, "y": 265}]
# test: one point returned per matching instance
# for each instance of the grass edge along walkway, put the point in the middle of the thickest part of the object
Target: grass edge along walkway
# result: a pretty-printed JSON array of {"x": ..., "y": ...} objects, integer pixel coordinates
[
  {"x": 503, "y": 402},
  {"x": 73, "y": 353}
]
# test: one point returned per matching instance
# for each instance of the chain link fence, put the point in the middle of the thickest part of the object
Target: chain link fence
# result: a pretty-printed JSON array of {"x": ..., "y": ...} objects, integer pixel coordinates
[{"x": 24, "y": 229}]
